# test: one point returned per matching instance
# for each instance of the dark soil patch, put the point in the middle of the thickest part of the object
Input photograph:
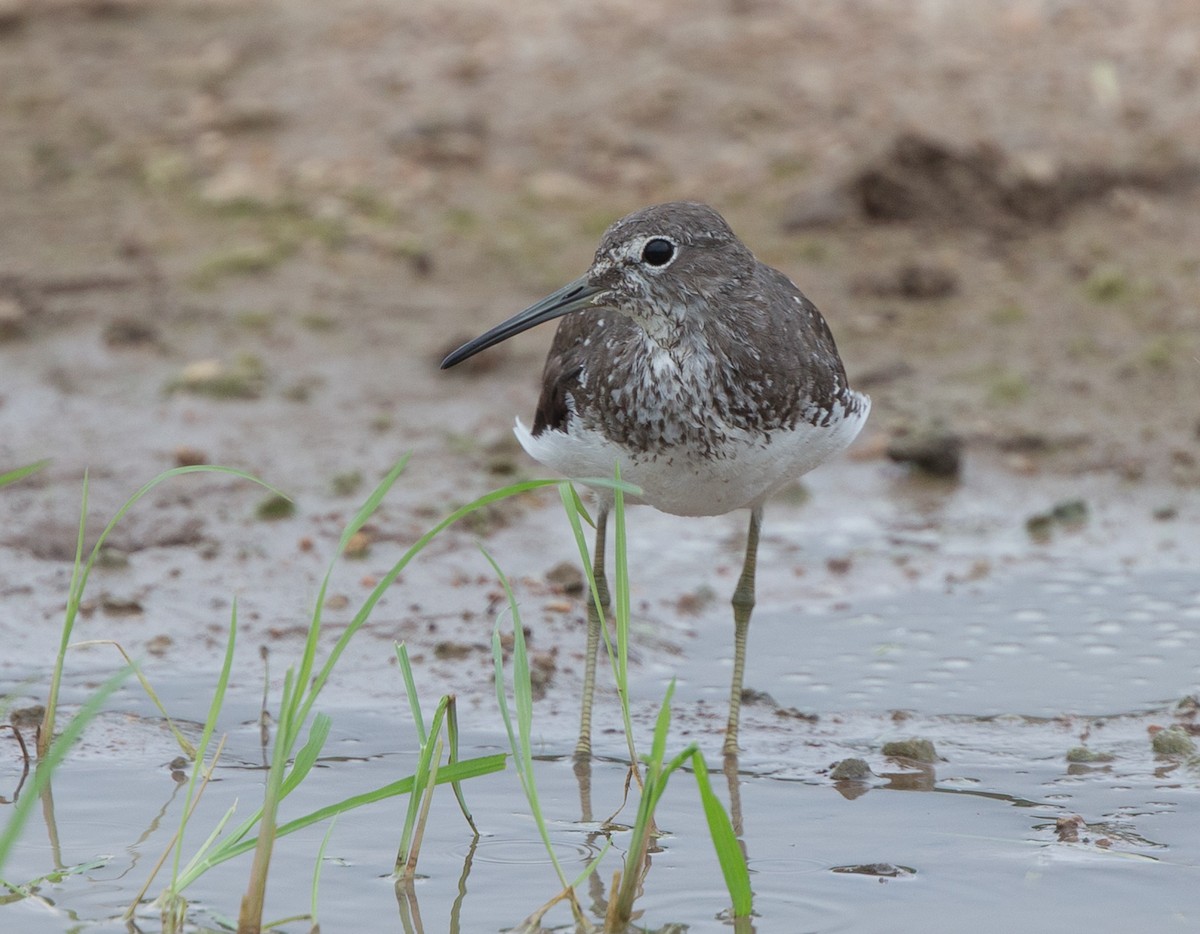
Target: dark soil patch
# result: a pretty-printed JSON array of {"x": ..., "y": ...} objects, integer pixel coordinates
[{"x": 922, "y": 180}]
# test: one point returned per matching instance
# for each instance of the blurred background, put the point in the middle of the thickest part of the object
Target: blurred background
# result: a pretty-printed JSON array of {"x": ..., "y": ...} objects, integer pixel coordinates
[
  {"x": 995, "y": 206},
  {"x": 245, "y": 232}
]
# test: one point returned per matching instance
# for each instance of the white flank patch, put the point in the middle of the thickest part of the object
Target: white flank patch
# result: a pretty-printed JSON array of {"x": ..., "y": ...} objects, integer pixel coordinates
[{"x": 747, "y": 472}]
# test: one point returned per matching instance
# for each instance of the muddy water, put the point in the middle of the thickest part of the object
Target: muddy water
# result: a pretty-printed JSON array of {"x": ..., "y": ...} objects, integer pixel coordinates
[
  {"x": 327, "y": 195},
  {"x": 889, "y": 609}
]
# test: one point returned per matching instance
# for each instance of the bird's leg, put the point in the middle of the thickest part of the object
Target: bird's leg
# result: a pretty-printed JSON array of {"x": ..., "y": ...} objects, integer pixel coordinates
[
  {"x": 583, "y": 748},
  {"x": 743, "y": 604},
  {"x": 733, "y": 779}
]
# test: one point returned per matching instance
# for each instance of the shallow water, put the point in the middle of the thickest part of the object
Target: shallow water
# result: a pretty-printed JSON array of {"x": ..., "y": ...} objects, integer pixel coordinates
[
  {"x": 1004, "y": 676},
  {"x": 887, "y": 607}
]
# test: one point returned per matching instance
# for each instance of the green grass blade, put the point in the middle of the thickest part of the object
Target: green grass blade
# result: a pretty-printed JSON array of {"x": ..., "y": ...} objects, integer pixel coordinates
[
  {"x": 372, "y": 503},
  {"x": 502, "y": 699},
  {"x": 452, "y": 731},
  {"x": 410, "y": 691},
  {"x": 202, "y": 853},
  {"x": 521, "y": 740},
  {"x": 306, "y": 758},
  {"x": 662, "y": 726},
  {"x": 250, "y": 912},
  {"x": 426, "y": 799},
  {"x": 621, "y": 575},
  {"x": 316, "y": 881},
  {"x": 574, "y": 510},
  {"x": 182, "y": 741},
  {"x": 396, "y": 569},
  {"x": 308, "y": 657},
  {"x": 425, "y": 771},
  {"x": 446, "y": 709},
  {"x": 729, "y": 851},
  {"x": 82, "y": 569},
  {"x": 170, "y": 897},
  {"x": 618, "y": 655},
  {"x": 576, "y": 505},
  {"x": 210, "y": 725},
  {"x": 21, "y": 473},
  {"x": 51, "y": 761},
  {"x": 457, "y": 772},
  {"x": 592, "y": 865},
  {"x": 74, "y": 598},
  {"x": 653, "y": 786}
]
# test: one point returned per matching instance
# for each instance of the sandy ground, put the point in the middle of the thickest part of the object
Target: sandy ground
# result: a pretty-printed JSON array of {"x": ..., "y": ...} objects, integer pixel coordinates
[{"x": 244, "y": 233}]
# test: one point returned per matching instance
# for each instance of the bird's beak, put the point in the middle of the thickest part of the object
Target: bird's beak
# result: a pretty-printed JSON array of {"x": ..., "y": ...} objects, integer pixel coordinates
[{"x": 575, "y": 296}]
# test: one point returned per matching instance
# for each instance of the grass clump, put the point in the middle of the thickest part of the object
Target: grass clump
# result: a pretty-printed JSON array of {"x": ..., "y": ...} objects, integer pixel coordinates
[
  {"x": 291, "y": 762},
  {"x": 1007, "y": 387},
  {"x": 1108, "y": 285},
  {"x": 1158, "y": 352},
  {"x": 52, "y": 749},
  {"x": 238, "y": 261},
  {"x": 428, "y": 766},
  {"x": 346, "y": 483},
  {"x": 301, "y": 732},
  {"x": 276, "y": 506},
  {"x": 299, "y": 736},
  {"x": 1069, "y": 515},
  {"x": 1010, "y": 313},
  {"x": 245, "y": 378},
  {"x": 657, "y": 769}
]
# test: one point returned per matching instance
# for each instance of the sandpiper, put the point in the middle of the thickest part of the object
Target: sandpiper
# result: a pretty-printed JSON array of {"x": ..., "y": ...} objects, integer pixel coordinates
[{"x": 706, "y": 375}]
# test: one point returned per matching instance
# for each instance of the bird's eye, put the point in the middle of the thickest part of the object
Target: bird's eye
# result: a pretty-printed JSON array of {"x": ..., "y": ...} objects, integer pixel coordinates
[{"x": 658, "y": 252}]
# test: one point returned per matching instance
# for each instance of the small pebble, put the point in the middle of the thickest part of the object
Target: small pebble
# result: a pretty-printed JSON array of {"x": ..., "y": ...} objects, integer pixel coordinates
[
  {"x": 916, "y": 749},
  {"x": 1083, "y": 754},
  {"x": 186, "y": 456},
  {"x": 565, "y": 577},
  {"x": 935, "y": 451},
  {"x": 359, "y": 545},
  {"x": 1172, "y": 741},
  {"x": 448, "y": 651},
  {"x": 850, "y": 770}
]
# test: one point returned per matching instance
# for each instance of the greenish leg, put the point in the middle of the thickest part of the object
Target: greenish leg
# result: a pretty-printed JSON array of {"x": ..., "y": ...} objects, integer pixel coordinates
[
  {"x": 743, "y": 604},
  {"x": 583, "y": 748}
]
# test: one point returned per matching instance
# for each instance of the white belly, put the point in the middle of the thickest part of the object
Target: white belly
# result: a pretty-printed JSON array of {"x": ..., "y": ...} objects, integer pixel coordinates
[{"x": 748, "y": 470}]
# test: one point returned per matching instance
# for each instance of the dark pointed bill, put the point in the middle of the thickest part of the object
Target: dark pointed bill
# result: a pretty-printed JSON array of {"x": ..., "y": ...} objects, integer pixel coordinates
[{"x": 575, "y": 296}]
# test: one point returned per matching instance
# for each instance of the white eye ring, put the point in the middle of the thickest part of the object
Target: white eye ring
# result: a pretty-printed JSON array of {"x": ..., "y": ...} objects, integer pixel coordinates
[{"x": 658, "y": 252}]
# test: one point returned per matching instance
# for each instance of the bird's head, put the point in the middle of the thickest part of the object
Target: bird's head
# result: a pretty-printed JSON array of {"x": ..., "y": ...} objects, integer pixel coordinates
[{"x": 667, "y": 267}]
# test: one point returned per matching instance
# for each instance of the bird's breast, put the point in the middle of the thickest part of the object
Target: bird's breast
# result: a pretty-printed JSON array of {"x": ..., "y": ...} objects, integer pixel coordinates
[
  {"x": 736, "y": 469},
  {"x": 654, "y": 401}
]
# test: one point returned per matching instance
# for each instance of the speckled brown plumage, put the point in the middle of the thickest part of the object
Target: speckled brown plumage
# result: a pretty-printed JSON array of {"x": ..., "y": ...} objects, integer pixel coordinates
[
  {"x": 704, "y": 375},
  {"x": 768, "y": 372}
]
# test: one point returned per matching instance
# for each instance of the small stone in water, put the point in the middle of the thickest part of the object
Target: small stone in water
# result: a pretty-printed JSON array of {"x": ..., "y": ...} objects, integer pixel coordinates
[
  {"x": 852, "y": 770},
  {"x": 566, "y": 578},
  {"x": 1173, "y": 741},
  {"x": 917, "y": 749},
  {"x": 1083, "y": 754}
]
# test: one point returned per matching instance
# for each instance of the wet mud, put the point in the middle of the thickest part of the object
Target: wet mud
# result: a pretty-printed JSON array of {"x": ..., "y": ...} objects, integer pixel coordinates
[{"x": 251, "y": 242}]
